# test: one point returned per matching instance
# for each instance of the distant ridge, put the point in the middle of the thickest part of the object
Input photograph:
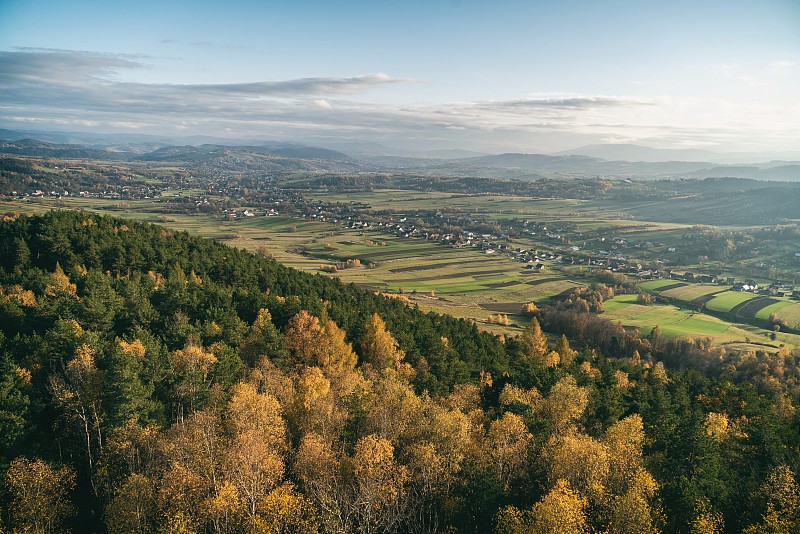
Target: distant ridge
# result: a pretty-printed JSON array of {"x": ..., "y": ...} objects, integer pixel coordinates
[{"x": 635, "y": 153}]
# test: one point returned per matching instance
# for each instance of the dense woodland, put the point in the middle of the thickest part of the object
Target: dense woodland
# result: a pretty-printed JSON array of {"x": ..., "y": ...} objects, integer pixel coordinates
[{"x": 155, "y": 382}]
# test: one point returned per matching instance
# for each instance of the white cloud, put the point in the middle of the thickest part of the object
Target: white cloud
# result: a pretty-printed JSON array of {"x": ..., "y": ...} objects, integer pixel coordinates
[
  {"x": 70, "y": 88},
  {"x": 782, "y": 64}
]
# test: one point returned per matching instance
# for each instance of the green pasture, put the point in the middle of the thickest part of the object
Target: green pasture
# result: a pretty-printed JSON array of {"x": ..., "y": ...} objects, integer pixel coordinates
[
  {"x": 655, "y": 285},
  {"x": 674, "y": 321},
  {"x": 765, "y": 312},
  {"x": 790, "y": 314},
  {"x": 691, "y": 292},
  {"x": 724, "y": 302}
]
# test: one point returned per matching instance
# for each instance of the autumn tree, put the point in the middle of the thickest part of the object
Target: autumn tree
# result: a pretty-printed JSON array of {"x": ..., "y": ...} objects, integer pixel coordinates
[
  {"x": 533, "y": 340},
  {"x": 379, "y": 485},
  {"x": 285, "y": 511},
  {"x": 319, "y": 470},
  {"x": 508, "y": 442},
  {"x": 79, "y": 394},
  {"x": 565, "y": 403},
  {"x": 378, "y": 347},
  {"x": 39, "y": 495},
  {"x": 314, "y": 407},
  {"x": 782, "y": 493},
  {"x": 561, "y": 511},
  {"x": 565, "y": 351},
  {"x": 133, "y": 508},
  {"x": 316, "y": 345},
  {"x": 253, "y": 460}
]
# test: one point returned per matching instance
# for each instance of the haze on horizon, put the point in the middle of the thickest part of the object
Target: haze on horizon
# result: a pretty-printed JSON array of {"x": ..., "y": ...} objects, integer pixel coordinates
[{"x": 488, "y": 76}]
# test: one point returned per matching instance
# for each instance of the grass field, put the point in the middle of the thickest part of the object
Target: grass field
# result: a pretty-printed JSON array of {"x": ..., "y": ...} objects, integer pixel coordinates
[
  {"x": 791, "y": 315},
  {"x": 656, "y": 285},
  {"x": 764, "y": 313},
  {"x": 690, "y": 292},
  {"x": 676, "y": 322},
  {"x": 726, "y": 301}
]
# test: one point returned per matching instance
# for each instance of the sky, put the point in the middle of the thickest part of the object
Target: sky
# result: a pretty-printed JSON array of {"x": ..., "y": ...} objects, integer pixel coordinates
[{"x": 492, "y": 76}]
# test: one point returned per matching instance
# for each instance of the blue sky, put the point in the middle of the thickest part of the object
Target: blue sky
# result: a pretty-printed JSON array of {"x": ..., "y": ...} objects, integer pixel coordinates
[{"x": 494, "y": 76}]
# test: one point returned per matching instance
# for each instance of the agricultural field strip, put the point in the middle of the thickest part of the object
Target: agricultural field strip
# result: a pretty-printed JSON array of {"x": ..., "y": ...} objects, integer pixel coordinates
[
  {"x": 463, "y": 274},
  {"x": 672, "y": 320},
  {"x": 657, "y": 284},
  {"x": 766, "y": 311},
  {"x": 751, "y": 308},
  {"x": 427, "y": 267},
  {"x": 726, "y": 301},
  {"x": 690, "y": 292},
  {"x": 791, "y": 315}
]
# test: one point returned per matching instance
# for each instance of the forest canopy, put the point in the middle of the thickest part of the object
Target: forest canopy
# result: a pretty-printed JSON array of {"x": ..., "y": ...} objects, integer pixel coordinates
[{"x": 151, "y": 381}]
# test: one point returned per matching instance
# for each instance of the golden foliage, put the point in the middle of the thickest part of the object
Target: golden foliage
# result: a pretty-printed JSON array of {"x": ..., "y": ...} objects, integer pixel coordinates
[
  {"x": 707, "y": 520},
  {"x": 565, "y": 403},
  {"x": 393, "y": 409},
  {"x": 783, "y": 503},
  {"x": 592, "y": 372},
  {"x": 285, "y": 511},
  {"x": 180, "y": 494},
  {"x": 512, "y": 394},
  {"x": 380, "y": 482},
  {"x": 314, "y": 407},
  {"x": 313, "y": 344},
  {"x": 253, "y": 467},
  {"x": 551, "y": 359},
  {"x": 18, "y": 294},
  {"x": 379, "y": 348},
  {"x": 716, "y": 425},
  {"x": 39, "y": 494},
  {"x": 508, "y": 442},
  {"x": 193, "y": 359},
  {"x": 258, "y": 413},
  {"x": 135, "y": 349},
  {"x": 223, "y": 509},
  {"x": 534, "y": 343},
  {"x": 562, "y": 511},
  {"x": 623, "y": 382},
  {"x": 60, "y": 283},
  {"x": 133, "y": 507}
]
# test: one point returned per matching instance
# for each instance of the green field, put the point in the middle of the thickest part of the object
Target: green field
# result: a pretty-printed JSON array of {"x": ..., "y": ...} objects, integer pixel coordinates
[
  {"x": 655, "y": 285},
  {"x": 791, "y": 315},
  {"x": 765, "y": 312},
  {"x": 725, "y": 302},
  {"x": 691, "y": 292},
  {"x": 677, "y": 322}
]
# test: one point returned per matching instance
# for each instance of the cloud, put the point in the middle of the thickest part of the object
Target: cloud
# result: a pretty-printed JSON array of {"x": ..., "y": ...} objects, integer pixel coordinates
[
  {"x": 782, "y": 64},
  {"x": 44, "y": 70},
  {"x": 565, "y": 102},
  {"x": 65, "y": 88}
]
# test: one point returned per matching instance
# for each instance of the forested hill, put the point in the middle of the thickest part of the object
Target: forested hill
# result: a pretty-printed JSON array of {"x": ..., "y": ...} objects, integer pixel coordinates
[{"x": 151, "y": 381}]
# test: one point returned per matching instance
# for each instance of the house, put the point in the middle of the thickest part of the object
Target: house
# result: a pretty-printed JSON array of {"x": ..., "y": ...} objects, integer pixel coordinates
[{"x": 730, "y": 280}]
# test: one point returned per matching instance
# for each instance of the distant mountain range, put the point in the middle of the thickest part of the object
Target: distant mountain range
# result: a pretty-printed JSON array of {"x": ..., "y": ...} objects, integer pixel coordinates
[
  {"x": 196, "y": 154},
  {"x": 637, "y": 153},
  {"x": 611, "y": 160}
]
